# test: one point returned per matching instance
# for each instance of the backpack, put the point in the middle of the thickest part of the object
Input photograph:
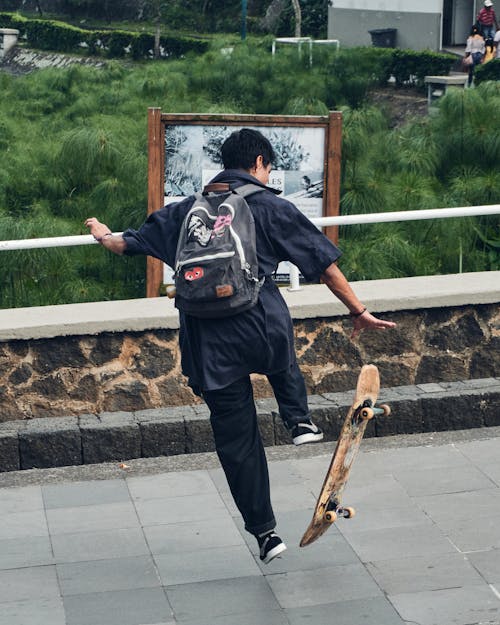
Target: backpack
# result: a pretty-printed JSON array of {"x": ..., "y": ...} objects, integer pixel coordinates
[{"x": 216, "y": 270}]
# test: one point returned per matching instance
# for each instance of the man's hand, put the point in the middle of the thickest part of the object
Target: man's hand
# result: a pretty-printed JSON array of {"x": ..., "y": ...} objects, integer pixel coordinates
[
  {"x": 340, "y": 287},
  {"x": 106, "y": 238},
  {"x": 367, "y": 321},
  {"x": 97, "y": 229}
]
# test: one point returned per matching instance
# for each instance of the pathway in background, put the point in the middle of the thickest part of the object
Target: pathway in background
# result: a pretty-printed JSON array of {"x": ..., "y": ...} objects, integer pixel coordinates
[{"x": 161, "y": 543}]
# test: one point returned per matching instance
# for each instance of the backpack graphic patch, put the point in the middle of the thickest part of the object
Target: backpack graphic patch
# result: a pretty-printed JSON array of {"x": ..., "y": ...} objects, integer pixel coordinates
[{"x": 216, "y": 271}]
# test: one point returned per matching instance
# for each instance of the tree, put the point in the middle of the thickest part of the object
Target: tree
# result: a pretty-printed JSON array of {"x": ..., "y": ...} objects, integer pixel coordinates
[{"x": 298, "y": 17}]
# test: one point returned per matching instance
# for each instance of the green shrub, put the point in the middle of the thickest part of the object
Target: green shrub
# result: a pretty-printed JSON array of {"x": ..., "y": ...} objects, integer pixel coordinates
[
  {"x": 409, "y": 67},
  {"x": 62, "y": 37},
  {"x": 488, "y": 71}
]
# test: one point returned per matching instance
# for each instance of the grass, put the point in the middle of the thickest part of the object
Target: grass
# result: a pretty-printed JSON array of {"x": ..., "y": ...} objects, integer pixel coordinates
[{"x": 73, "y": 143}]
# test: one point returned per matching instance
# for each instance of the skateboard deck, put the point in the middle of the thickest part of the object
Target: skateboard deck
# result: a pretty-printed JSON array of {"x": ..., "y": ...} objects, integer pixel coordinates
[{"x": 328, "y": 506}]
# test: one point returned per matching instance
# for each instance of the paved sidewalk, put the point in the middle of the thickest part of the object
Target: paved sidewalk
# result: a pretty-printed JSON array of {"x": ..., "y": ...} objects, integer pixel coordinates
[{"x": 160, "y": 542}]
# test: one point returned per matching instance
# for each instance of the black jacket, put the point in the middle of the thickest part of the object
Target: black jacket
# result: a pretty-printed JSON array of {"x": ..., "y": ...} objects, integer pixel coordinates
[{"x": 217, "y": 352}]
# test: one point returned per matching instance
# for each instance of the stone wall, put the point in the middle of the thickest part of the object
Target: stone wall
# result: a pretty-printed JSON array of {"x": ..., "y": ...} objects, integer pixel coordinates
[{"x": 134, "y": 371}]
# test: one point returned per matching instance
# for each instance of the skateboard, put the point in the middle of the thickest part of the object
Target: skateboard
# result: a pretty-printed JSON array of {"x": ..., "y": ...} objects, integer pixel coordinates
[{"x": 328, "y": 507}]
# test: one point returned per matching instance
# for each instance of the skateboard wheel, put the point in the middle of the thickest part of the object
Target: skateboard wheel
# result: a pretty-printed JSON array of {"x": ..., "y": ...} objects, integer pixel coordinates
[
  {"x": 331, "y": 516},
  {"x": 386, "y": 409},
  {"x": 348, "y": 513},
  {"x": 366, "y": 413}
]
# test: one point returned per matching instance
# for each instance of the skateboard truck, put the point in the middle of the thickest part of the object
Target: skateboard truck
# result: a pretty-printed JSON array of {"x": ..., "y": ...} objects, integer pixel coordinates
[
  {"x": 367, "y": 411},
  {"x": 334, "y": 510}
]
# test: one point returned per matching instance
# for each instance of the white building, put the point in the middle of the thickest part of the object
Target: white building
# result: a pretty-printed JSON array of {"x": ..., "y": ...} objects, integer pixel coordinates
[{"x": 419, "y": 24}]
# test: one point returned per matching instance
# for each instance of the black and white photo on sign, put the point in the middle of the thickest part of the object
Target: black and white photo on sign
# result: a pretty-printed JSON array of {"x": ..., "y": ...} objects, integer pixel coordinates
[{"x": 192, "y": 159}]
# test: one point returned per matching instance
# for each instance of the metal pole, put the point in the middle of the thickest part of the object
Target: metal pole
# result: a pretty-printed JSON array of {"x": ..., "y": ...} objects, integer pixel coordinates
[{"x": 243, "y": 19}]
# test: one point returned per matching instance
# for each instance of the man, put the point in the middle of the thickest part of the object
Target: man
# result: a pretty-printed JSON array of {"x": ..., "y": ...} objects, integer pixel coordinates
[
  {"x": 487, "y": 20},
  {"x": 218, "y": 355}
]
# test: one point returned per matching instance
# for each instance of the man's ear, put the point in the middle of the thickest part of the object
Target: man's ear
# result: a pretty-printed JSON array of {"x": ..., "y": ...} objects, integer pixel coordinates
[{"x": 259, "y": 162}]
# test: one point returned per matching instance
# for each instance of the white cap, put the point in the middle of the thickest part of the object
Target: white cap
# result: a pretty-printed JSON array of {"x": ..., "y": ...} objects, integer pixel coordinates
[{"x": 488, "y": 3}]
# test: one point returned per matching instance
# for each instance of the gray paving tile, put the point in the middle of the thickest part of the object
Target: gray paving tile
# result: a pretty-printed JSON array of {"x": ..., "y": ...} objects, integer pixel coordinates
[
  {"x": 17, "y": 500},
  {"x": 205, "y": 565},
  {"x": 79, "y": 578},
  {"x": 480, "y": 535},
  {"x": 419, "y": 574},
  {"x": 399, "y": 542},
  {"x": 331, "y": 584},
  {"x": 321, "y": 554},
  {"x": 74, "y": 494},
  {"x": 455, "y": 606},
  {"x": 179, "y": 509},
  {"x": 313, "y": 469},
  {"x": 27, "y": 551},
  {"x": 423, "y": 482},
  {"x": 84, "y": 546},
  {"x": 284, "y": 473},
  {"x": 469, "y": 506},
  {"x": 383, "y": 518},
  {"x": 21, "y": 524},
  {"x": 374, "y": 611},
  {"x": 480, "y": 452},
  {"x": 404, "y": 458},
  {"x": 28, "y": 584},
  {"x": 256, "y": 617},
  {"x": 193, "y": 536},
  {"x": 168, "y": 485},
  {"x": 288, "y": 498},
  {"x": 143, "y": 606},
  {"x": 33, "y": 612},
  {"x": 488, "y": 564},
  {"x": 375, "y": 493},
  {"x": 92, "y": 518},
  {"x": 331, "y": 550},
  {"x": 492, "y": 470},
  {"x": 245, "y": 595}
]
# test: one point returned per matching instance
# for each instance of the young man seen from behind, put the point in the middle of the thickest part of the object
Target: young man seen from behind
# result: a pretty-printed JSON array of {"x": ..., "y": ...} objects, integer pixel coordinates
[{"x": 218, "y": 355}]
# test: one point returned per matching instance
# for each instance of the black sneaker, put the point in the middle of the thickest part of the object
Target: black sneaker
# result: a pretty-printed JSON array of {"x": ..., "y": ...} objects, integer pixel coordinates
[
  {"x": 271, "y": 546},
  {"x": 306, "y": 432}
]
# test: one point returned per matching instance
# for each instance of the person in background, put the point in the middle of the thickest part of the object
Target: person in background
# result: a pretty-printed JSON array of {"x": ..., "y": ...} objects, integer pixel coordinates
[
  {"x": 496, "y": 43},
  {"x": 489, "y": 47},
  {"x": 487, "y": 20},
  {"x": 474, "y": 50}
]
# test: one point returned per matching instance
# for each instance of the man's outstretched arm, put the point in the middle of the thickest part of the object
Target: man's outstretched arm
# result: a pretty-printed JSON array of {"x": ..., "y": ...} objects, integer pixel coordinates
[
  {"x": 101, "y": 233},
  {"x": 340, "y": 287}
]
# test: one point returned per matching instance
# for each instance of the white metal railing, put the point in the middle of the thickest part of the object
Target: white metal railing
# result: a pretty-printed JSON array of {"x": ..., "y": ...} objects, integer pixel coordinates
[{"x": 341, "y": 220}]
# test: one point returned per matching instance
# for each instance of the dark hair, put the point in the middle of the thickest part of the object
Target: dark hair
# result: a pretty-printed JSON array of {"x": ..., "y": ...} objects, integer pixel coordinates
[
  {"x": 241, "y": 149},
  {"x": 475, "y": 30}
]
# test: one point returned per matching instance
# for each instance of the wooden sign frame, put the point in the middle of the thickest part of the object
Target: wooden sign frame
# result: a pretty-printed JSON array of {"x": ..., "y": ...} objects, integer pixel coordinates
[{"x": 158, "y": 121}]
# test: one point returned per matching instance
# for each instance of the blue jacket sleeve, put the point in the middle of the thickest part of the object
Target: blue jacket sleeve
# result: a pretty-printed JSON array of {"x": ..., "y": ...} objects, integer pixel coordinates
[{"x": 158, "y": 235}]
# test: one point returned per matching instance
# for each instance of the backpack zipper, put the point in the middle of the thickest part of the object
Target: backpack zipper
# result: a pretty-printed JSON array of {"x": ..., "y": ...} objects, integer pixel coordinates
[{"x": 201, "y": 259}]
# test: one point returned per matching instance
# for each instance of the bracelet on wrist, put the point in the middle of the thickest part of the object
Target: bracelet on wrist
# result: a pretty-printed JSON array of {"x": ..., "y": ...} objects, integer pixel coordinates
[
  {"x": 99, "y": 239},
  {"x": 358, "y": 314}
]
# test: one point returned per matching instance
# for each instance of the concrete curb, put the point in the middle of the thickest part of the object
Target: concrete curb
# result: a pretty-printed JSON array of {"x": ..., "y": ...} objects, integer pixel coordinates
[{"x": 115, "y": 437}]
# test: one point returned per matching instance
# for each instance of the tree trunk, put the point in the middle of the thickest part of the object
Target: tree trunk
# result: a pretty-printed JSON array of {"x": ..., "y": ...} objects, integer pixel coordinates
[
  {"x": 39, "y": 8},
  {"x": 157, "y": 39},
  {"x": 271, "y": 19},
  {"x": 298, "y": 17}
]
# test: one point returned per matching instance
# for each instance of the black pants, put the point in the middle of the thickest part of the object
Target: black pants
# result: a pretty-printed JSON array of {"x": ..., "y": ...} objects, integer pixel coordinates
[{"x": 239, "y": 445}]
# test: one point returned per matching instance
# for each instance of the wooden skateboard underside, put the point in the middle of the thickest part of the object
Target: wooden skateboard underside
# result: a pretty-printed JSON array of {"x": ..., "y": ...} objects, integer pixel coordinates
[{"x": 348, "y": 443}]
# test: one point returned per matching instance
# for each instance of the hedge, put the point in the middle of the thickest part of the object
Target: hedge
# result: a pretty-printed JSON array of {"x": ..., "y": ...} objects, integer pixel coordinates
[
  {"x": 407, "y": 66},
  {"x": 62, "y": 37},
  {"x": 488, "y": 71},
  {"x": 410, "y": 67}
]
